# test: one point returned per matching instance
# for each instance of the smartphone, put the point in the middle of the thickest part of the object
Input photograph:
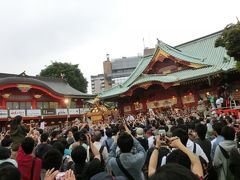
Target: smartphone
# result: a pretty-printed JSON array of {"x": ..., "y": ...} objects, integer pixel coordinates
[
  {"x": 162, "y": 134},
  {"x": 60, "y": 176}
]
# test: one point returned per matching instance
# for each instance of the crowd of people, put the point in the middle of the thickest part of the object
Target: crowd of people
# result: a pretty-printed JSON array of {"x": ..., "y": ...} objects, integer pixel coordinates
[{"x": 166, "y": 145}]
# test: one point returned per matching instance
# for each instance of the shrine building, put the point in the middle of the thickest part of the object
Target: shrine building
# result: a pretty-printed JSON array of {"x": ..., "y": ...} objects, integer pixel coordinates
[
  {"x": 41, "y": 98},
  {"x": 177, "y": 77}
]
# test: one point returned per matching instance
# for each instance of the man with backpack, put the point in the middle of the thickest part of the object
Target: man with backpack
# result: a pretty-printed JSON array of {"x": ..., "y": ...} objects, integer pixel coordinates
[
  {"x": 221, "y": 158},
  {"x": 235, "y": 163},
  {"x": 109, "y": 141},
  {"x": 126, "y": 163},
  {"x": 28, "y": 165}
]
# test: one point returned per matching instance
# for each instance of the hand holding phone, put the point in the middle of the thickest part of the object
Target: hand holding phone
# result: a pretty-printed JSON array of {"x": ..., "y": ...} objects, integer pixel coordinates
[
  {"x": 60, "y": 176},
  {"x": 51, "y": 174}
]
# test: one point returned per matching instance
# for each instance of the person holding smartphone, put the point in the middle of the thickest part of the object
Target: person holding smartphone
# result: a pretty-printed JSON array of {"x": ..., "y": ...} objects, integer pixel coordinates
[{"x": 174, "y": 142}]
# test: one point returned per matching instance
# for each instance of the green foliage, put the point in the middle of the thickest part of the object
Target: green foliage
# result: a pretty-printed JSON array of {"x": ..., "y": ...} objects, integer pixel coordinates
[
  {"x": 70, "y": 72},
  {"x": 230, "y": 39},
  {"x": 238, "y": 65}
]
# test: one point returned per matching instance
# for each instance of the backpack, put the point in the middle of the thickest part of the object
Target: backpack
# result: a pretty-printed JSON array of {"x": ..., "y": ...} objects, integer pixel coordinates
[
  {"x": 235, "y": 162},
  {"x": 194, "y": 148},
  {"x": 227, "y": 173}
]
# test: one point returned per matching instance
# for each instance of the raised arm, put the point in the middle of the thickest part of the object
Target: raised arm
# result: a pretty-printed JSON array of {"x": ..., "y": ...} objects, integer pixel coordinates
[
  {"x": 154, "y": 158},
  {"x": 195, "y": 162},
  {"x": 93, "y": 148}
]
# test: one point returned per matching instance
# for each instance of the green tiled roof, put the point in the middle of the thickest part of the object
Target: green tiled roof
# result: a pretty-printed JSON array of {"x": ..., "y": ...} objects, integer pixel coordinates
[
  {"x": 204, "y": 47},
  {"x": 179, "y": 54},
  {"x": 138, "y": 70},
  {"x": 199, "y": 51}
]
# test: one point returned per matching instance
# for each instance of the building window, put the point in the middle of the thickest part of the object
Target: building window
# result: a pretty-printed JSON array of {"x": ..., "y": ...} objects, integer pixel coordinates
[
  {"x": 47, "y": 105},
  {"x": 73, "y": 104},
  {"x": 53, "y": 105},
  {"x": 19, "y": 105}
]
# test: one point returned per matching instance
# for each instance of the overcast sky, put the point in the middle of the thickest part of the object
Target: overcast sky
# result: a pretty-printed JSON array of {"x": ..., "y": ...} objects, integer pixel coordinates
[{"x": 35, "y": 32}]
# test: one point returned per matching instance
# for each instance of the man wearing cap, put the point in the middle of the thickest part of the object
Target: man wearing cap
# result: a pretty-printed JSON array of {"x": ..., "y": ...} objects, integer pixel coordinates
[{"x": 140, "y": 137}]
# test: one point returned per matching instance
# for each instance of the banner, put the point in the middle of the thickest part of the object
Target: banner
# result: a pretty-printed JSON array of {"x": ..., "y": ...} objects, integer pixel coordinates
[
  {"x": 33, "y": 112},
  {"x": 13, "y": 113},
  {"x": 188, "y": 99},
  {"x": 61, "y": 111},
  {"x": 161, "y": 103},
  {"x": 49, "y": 112},
  {"x": 84, "y": 110},
  {"x": 3, "y": 113},
  {"x": 74, "y": 111}
]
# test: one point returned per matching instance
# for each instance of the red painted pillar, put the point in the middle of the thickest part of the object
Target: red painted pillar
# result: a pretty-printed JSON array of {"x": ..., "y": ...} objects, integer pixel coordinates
[
  {"x": 34, "y": 103},
  {"x": 121, "y": 108},
  {"x": 196, "y": 96},
  {"x": 144, "y": 103},
  {"x": 179, "y": 98},
  {"x": 132, "y": 108},
  {"x": 4, "y": 103},
  {"x": 62, "y": 104}
]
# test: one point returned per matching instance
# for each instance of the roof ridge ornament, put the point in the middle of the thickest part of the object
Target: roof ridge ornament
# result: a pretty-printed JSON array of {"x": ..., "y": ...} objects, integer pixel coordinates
[{"x": 23, "y": 74}]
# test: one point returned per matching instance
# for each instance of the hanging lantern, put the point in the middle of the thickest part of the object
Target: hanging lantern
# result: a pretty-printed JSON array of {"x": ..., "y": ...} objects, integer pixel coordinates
[
  {"x": 37, "y": 96},
  {"x": 6, "y": 95}
]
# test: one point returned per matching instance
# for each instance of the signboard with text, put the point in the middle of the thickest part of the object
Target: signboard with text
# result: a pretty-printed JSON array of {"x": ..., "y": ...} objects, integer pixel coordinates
[
  {"x": 61, "y": 111},
  {"x": 161, "y": 103},
  {"x": 3, "y": 113},
  {"x": 188, "y": 99},
  {"x": 13, "y": 113},
  {"x": 84, "y": 110},
  {"x": 33, "y": 112},
  {"x": 49, "y": 112},
  {"x": 74, "y": 111}
]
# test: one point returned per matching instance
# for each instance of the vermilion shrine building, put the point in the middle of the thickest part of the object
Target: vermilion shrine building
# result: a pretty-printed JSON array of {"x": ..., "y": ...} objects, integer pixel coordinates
[
  {"x": 177, "y": 77},
  {"x": 39, "y": 98}
]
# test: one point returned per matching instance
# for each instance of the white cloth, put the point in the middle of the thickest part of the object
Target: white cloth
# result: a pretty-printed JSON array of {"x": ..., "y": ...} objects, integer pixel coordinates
[
  {"x": 213, "y": 141},
  {"x": 98, "y": 145},
  {"x": 199, "y": 151},
  {"x": 103, "y": 138},
  {"x": 190, "y": 146},
  {"x": 130, "y": 118},
  {"x": 150, "y": 141},
  {"x": 10, "y": 161},
  {"x": 219, "y": 102}
]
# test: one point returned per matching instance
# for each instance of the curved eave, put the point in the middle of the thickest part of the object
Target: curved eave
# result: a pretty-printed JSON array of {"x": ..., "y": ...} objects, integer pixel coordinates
[
  {"x": 111, "y": 94},
  {"x": 176, "y": 78},
  {"x": 139, "y": 69},
  {"x": 159, "y": 78},
  {"x": 36, "y": 82},
  {"x": 88, "y": 96},
  {"x": 167, "y": 50}
]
